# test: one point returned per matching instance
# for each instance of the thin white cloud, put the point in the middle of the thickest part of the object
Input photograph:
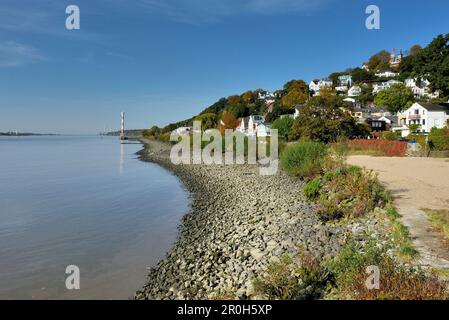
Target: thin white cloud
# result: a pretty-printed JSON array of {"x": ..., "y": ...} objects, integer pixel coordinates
[
  {"x": 206, "y": 11},
  {"x": 13, "y": 54}
]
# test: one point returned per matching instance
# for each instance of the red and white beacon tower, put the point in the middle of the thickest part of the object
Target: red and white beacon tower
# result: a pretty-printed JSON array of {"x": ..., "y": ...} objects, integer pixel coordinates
[{"x": 122, "y": 130}]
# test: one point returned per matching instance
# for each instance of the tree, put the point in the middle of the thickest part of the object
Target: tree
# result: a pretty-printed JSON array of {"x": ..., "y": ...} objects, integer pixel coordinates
[
  {"x": 396, "y": 99},
  {"x": 249, "y": 97},
  {"x": 361, "y": 75},
  {"x": 334, "y": 77},
  {"x": 295, "y": 92},
  {"x": 325, "y": 118},
  {"x": 217, "y": 107},
  {"x": 379, "y": 61},
  {"x": 208, "y": 120},
  {"x": 296, "y": 84},
  {"x": 414, "y": 50},
  {"x": 367, "y": 95},
  {"x": 228, "y": 121},
  {"x": 293, "y": 98},
  {"x": 152, "y": 133},
  {"x": 283, "y": 125},
  {"x": 431, "y": 63}
]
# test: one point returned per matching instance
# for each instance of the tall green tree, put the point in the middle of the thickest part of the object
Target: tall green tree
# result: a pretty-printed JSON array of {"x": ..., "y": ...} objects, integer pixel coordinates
[
  {"x": 415, "y": 49},
  {"x": 295, "y": 92},
  {"x": 361, "y": 75},
  {"x": 325, "y": 118},
  {"x": 431, "y": 63},
  {"x": 208, "y": 120},
  {"x": 379, "y": 61},
  {"x": 396, "y": 99},
  {"x": 283, "y": 125}
]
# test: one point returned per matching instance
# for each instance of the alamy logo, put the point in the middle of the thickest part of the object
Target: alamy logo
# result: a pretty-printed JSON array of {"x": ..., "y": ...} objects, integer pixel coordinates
[
  {"x": 211, "y": 148},
  {"x": 72, "y": 282},
  {"x": 373, "y": 20},
  {"x": 73, "y": 21}
]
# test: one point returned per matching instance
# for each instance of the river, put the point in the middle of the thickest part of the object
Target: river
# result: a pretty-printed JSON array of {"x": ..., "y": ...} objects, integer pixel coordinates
[{"x": 85, "y": 201}]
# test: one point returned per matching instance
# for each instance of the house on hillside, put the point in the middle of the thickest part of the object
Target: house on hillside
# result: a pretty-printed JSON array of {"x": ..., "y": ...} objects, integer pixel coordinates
[
  {"x": 184, "y": 131},
  {"x": 268, "y": 97},
  {"x": 345, "y": 81},
  {"x": 426, "y": 115},
  {"x": 376, "y": 124},
  {"x": 316, "y": 85},
  {"x": 395, "y": 61},
  {"x": 421, "y": 89},
  {"x": 387, "y": 74},
  {"x": 354, "y": 91},
  {"x": 341, "y": 89},
  {"x": 249, "y": 125},
  {"x": 378, "y": 87},
  {"x": 361, "y": 114}
]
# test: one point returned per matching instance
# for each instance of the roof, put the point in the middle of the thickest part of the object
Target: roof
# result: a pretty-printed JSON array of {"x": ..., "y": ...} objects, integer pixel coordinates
[
  {"x": 436, "y": 106},
  {"x": 393, "y": 119},
  {"x": 245, "y": 120}
]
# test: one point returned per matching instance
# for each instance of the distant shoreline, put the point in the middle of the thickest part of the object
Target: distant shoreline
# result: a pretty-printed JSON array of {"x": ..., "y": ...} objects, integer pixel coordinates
[{"x": 25, "y": 134}]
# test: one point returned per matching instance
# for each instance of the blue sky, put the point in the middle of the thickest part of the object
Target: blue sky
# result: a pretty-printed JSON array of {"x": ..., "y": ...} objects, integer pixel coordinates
[{"x": 165, "y": 60}]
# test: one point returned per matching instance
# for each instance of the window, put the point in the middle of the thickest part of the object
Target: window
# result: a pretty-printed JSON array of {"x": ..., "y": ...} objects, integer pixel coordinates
[{"x": 424, "y": 122}]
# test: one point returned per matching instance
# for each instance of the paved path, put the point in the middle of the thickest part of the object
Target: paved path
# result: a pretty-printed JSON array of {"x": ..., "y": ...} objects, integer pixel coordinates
[{"x": 416, "y": 183}]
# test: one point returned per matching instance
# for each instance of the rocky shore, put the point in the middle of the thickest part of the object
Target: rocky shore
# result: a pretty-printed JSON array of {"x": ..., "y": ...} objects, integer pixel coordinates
[{"x": 239, "y": 223}]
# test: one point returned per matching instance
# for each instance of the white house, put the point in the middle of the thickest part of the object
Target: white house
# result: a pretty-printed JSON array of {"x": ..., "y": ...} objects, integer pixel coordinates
[
  {"x": 345, "y": 81},
  {"x": 354, "y": 91},
  {"x": 378, "y": 87},
  {"x": 317, "y": 85},
  {"x": 265, "y": 95},
  {"x": 341, "y": 89},
  {"x": 421, "y": 89},
  {"x": 184, "y": 131},
  {"x": 426, "y": 115},
  {"x": 249, "y": 125},
  {"x": 413, "y": 82},
  {"x": 263, "y": 130},
  {"x": 387, "y": 74},
  {"x": 298, "y": 110}
]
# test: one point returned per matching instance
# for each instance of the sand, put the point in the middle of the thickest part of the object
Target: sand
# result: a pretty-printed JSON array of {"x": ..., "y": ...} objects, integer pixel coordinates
[{"x": 416, "y": 183}]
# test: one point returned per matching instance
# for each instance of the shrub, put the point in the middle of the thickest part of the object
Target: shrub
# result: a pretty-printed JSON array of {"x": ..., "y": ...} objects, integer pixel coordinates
[
  {"x": 283, "y": 125},
  {"x": 304, "y": 159},
  {"x": 439, "y": 139},
  {"x": 312, "y": 189},
  {"x": 390, "y": 135},
  {"x": 397, "y": 282},
  {"x": 303, "y": 279},
  {"x": 164, "y": 137},
  {"x": 350, "y": 192}
]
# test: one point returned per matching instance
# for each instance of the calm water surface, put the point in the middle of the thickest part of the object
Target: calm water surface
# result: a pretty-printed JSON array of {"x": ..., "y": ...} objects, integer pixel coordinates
[{"x": 84, "y": 201}]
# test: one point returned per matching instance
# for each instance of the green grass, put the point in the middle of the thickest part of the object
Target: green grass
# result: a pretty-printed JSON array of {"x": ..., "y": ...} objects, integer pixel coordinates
[
  {"x": 401, "y": 236},
  {"x": 312, "y": 189},
  {"x": 441, "y": 272},
  {"x": 304, "y": 159},
  {"x": 439, "y": 220}
]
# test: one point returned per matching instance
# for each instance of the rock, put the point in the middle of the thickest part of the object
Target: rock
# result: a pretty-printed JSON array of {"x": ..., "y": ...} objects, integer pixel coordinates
[{"x": 257, "y": 254}]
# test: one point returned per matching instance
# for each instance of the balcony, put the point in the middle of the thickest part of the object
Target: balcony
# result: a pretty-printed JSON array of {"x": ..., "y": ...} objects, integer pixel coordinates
[{"x": 415, "y": 117}]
